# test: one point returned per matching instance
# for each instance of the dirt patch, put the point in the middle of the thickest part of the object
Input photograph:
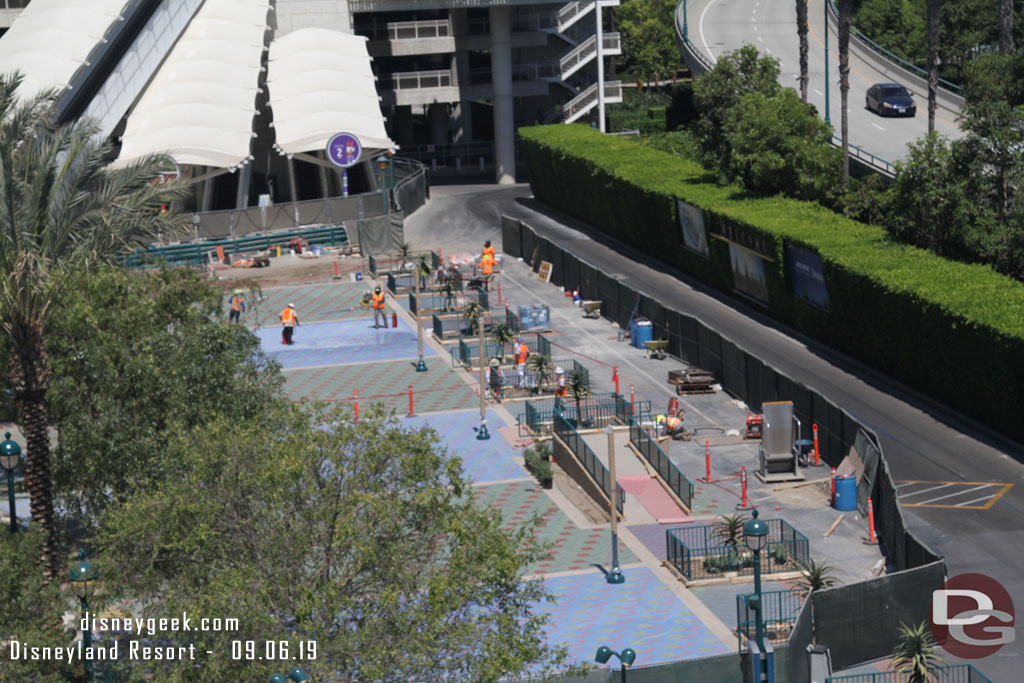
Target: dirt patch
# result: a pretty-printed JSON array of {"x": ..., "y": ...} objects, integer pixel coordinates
[
  {"x": 289, "y": 269},
  {"x": 571, "y": 490}
]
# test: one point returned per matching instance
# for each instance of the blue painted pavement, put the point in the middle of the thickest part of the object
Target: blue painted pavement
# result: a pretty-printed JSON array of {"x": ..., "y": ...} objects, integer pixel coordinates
[
  {"x": 482, "y": 461},
  {"x": 337, "y": 343}
]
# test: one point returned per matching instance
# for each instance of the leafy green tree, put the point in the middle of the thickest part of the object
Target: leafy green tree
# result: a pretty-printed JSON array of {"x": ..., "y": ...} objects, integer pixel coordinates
[
  {"x": 136, "y": 357},
  {"x": 1006, "y": 26},
  {"x": 62, "y": 209},
  {"x": 715, "y": 94},
  {"x": 915, "y": 653},
  {"x": 896, "y": 25},
  {"x": 360, "y": 536},
  {"x": 648, "y": 37}
]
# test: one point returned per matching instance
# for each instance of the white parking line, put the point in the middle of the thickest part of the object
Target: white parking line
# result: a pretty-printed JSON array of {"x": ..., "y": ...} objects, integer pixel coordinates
[
  {"x": 914, "y": 493},
  {"x": 978, "y": 500},
  {"x": 956, "y": 493},
  {"x": 760, "y": 39},
  {"x": 878, "y": 126},
  {"x": 817, "y": 91}
]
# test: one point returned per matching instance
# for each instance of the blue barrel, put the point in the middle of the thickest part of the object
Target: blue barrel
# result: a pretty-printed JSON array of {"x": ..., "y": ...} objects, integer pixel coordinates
[
  {"x": 643, "y": 332},
  {"x": 846, "y": 492}
]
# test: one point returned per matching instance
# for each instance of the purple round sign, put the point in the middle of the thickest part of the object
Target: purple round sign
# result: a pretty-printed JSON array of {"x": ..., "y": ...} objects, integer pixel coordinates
[{"x": 344, "y": 149}]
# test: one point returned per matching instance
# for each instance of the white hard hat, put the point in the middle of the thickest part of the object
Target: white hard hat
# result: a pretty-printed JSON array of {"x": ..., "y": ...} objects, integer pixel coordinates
[
  {"x": 291, "y": 305},
  {"x": 559, "y": 371}
]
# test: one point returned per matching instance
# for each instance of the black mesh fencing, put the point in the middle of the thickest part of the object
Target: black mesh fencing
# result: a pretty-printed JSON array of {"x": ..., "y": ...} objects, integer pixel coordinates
[
  {"x": 860, "y": 621},
  {"x": 511, "y": 240},
  {"x": 800, "y": 638}
]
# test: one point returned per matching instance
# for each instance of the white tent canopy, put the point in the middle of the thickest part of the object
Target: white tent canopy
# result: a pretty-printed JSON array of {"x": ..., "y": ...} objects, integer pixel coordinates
[
  {"x": 200, "y": 105},
  {"x": 51, "y": 39},
  {"x": 320, "y": 83}
]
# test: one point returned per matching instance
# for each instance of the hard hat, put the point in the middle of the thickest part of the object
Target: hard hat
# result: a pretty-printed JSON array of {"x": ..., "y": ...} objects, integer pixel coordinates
[
  {"x": 487, "y": 243},
  {"x": 377, "y": 288},
  {"x": 238, "y": 291},
  {"x": 559, "y": 371},
  {"x": 291, "y": 305},
  {"x": 494, "y": 363}
]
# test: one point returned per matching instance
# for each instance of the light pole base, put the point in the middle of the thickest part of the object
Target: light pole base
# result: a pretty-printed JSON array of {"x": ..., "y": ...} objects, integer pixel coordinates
[
  {"x": 615, "y": 576},
  {"x": 421, "y": 366},
  {"x": 482, "y": 434}
]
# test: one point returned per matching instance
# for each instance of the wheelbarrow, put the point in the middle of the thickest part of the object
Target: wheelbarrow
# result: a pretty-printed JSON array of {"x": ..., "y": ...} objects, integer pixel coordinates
[
  {"x": 657, "y": 349},
  {"x": 591, "y": 309}
]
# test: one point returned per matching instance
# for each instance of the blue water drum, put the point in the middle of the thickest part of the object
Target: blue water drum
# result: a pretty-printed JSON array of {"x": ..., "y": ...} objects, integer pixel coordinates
[
  {"x": 846, "y": 492},
  {"x": 642, "y": 332}
]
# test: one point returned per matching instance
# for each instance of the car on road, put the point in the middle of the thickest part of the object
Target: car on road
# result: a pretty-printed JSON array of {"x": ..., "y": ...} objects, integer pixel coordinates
[{"x": 890, "y": 99}]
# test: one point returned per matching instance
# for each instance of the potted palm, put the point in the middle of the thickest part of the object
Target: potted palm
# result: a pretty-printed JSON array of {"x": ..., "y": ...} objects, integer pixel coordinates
[
  {"x": 816, "y": 576},
  {"x": 474, "y": 313},
  {"x": 541, "y": 365},
  {"x": 501, "y": 334},
  {"x": 579, "y": 387}
]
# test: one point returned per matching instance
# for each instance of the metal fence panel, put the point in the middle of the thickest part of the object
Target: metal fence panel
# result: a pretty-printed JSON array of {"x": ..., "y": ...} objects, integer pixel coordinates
[
  {"x": 511, "y": 239},
  {"x": 627, "y": 307},
  {"x": 801, "y": 637},
  {"x": 588, "y": 281},
  {"x": 571, "y": 281},
  {"x": 710, "y": 350},
  {"x": 733, "y": 377},
  {"x": 755, "y": 368},
  {"x": 688, "y": 328},
  {"x": 608, "y": 294}
]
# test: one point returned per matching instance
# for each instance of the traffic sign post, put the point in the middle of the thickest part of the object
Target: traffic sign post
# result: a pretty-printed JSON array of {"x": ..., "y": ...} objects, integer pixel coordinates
[{"x": 344, "y": 150}]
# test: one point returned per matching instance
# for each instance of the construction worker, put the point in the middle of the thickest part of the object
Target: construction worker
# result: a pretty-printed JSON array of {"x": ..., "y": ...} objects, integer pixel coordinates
[
  {"x": 367, "y": 299},
  {"x": 560, "y": 385},
  {"x": 288, "y": 322},
  {"x": 378, "y": 307},
  {"x": 522, "y": 352},
  {"x": 673, "y": 425},
  {"x": 487, "y": 264},
  {"x": 494, "y": 378},
  {"x": 237, "y": 306},
  {"x": 488, "y": 250}
]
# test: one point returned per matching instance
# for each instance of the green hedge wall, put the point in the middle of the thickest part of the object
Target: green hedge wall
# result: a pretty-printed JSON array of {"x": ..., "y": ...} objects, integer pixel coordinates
[{"x": 951, "y": 330}]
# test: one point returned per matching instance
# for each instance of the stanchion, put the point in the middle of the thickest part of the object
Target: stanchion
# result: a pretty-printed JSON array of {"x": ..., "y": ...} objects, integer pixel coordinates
[
  {"x": 337, "y": 274},
  {"x": 833, "y": 487},
  {"x": 707, "y": 461},
  {"x": 744, "y": 501},
  {"x": 355, "y": 400},
  {"x": 499, "y": 293},
  {"x": 411, "y": 413},
  {"x": 632, "y": 400},
  {"x": 872, "y": 540},
  {"x": 615, "y": 377},
  {"x": 394, "y": 319},
  {"x": 817, "y": 453}
]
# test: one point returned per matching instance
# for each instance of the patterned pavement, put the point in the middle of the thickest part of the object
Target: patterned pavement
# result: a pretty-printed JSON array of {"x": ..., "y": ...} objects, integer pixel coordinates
[
  {"x": 653, "y": 537},
  {"x": 335, "y": 343},
  {"x": 721, "y": 599},
  {"x": 482, "y": 461},
  {"x": 573, "y": 548},
  {"x": 640, "y": 613},
  {"x": 312, "y": 303},
  {"x": 437, "y": 389}
]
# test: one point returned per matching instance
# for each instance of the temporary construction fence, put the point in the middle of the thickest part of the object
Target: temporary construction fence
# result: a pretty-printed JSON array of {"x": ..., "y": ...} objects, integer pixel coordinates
[
  {"x": 780, "y": 610},
  {"x": 598, "y": 410},
  {"x": 702, "y": 552},
  {"x": 394, "y": 262},
  {"x": 203, "y": 252},
  {"x": 659, "y": 460},
  {"x": 468, "y": 352},
  {"x": 748, "y": 378},
  {"x": 453, "y": 327},
  {"x": 957, "y": 673},
  {"x": 531, "y": 383},
  {"x": 564, "y": 430},
  {"x": 429, "y": 303}
]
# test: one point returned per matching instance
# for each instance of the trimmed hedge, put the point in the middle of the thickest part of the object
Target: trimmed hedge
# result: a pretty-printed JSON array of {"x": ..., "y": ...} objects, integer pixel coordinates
[{"x": 952, "y": 330}]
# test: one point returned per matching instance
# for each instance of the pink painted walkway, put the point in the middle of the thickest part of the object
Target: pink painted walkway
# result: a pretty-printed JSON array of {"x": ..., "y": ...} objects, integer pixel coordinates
[{"x": 654, "y": 498}]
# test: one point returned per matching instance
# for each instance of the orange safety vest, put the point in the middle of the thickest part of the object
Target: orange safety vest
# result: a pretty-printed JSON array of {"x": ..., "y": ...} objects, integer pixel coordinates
[
  {"x": 487, "y": 264},
  {"x": 288, "y": 317},
  {"x": 522, "y": 353},
  {"x": 562, "y": 390},
  {"x": 378, "y": 300},
  {"x": 672, "y": 422},
  {"x": 236, "y": 302},
  {"x": 488, "y": 251}
]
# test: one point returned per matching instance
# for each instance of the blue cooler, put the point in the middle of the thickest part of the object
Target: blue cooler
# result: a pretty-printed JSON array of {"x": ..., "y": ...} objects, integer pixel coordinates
[
  {"x": 641, "y": 331},
  {"x": 846, "y": 492}
]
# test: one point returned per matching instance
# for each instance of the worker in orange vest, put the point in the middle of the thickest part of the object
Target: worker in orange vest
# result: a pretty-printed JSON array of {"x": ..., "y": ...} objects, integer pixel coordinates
[
  {"x": 560, "y": 386},
  {"x": 237, "y": 306},
  {"x": 378, "y": 307},
  {"x": 288, "y": 322},
  {"x": 522, "y": 352},
  {"x": 488, "y": 249},
  {"x": 487, "y": 264}
]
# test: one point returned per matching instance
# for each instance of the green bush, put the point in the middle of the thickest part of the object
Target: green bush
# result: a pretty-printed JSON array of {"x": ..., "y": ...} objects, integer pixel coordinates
[{"x": 952, "y": 330}]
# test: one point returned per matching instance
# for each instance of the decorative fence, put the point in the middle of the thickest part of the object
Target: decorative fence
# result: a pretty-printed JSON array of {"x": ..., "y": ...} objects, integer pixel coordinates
[
  {"x": 451, "y": 327},
  {"x": 780, "y": 610},
  {"x": 468, "y": 351},
  {"x": 957, "y": 673},
  {"x": 429, "y": 303},
  {"x": 666, "y": 469},
  {"x": 600, "y": 410},
  {"x": 530, "y": 383},
  {"x": 381, "y": 264},
  {"x": 699, "y": 552},
  {"x": 199, "y": 253},
  {"x": 582, "y": 452}
]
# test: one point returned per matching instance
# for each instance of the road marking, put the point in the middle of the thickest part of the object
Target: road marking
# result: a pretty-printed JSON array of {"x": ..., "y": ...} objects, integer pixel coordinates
[
  {"x": 755, "y": 27},
  {"x": 987, "y": 501},
  {"x": 760, "y": 39},
  {"x": 703, "y": 39},
  {"x": 955, "y": 493},
  {"x": 934, "y": 488},
  {"x": 817, "y": 91},
  {"x": 877, "y": 126},
  {"x": 976, "y": 500}
]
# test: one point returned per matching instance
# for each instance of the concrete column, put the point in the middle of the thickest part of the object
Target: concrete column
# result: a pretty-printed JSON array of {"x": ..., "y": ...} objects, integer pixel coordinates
[
  {"x": 501, "y": 74},
  {"x": 600, "y": 66},
  {"x": 244, "y": 176},
  {"x": 403, "y": 125},
  {"x": 463, "y": 122},
  {"x": 438, "y": 116}
]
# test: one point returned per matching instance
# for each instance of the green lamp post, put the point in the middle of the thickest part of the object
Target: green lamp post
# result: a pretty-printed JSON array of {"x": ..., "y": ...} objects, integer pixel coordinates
[
  {"x": 83, "y": 577},
  {"x": 297, "y": 675},
  {"x": 627, "y": 657},
  {"x": 10, "y": 458},
  {"x": 755, "y": 533},
  {"x": 828, "y": 115}
]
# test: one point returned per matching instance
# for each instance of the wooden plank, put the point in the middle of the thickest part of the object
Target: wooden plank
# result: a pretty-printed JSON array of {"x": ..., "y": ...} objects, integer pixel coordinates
[{"x": 834, "y": 525}]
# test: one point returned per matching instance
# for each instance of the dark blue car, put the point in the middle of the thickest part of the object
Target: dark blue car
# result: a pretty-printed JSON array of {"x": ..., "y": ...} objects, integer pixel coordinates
[{"x": 890, "y": 99}]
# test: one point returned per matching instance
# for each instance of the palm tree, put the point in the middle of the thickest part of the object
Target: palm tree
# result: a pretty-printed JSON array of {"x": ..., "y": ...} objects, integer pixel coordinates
[
  {"x": 915, "y": 653},
  {"x": 845, "y": 18},
  {"x": 801, "y": 31},
  {"x": 474, "y": 313},
  {"x": 424, "y": 268},
  {"x": 403, "y": 253},
  {"x": 62, "y": 210},
  {"x": 932, "y": 11},
  {"x": 540, "y": 364},
  {"x": 502, "y": 334},
  {"x": 816, "y": 576},
  {"x": 1006, "y": 26},
  {"x": 730, "y": 529},
  {"x": 579, "y": 387}
]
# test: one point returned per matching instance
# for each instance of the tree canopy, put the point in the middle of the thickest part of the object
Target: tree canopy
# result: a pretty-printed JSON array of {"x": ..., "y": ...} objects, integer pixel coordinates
[{"x": 648, "y": 37}]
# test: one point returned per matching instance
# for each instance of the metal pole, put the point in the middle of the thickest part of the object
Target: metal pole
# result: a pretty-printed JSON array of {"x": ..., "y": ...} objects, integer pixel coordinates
[
  {"x": 482, "y": 433},
  {"x": 624, "y": 667},
  {"x": 420, "y": 365},
  {"x": 828, "y": 116},
  {"x": 87, "y": 640},
  {"x": 600, "y": 67},
  {"x": 759, "y": 632},
  {"x": 615, "y": 575},
  {"x": 686, "y": 27},
  {"x": 10, "y": 496}
]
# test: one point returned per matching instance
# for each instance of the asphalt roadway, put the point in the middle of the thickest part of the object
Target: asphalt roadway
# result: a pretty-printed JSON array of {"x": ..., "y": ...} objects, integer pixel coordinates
[
  {"x": 921, "y": 439},
  {"x": 720, "y": 26}
]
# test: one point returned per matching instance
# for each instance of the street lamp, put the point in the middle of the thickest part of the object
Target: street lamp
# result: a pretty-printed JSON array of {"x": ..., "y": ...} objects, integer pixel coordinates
[
  {"x": 615, "y": 575},
  {"x": 627, "y": 657},
  {"x": 83, "y": 577},
  {"x": 10, "y": 458},
  {"x": 482, "y": 434},
  {"x": 755, "y": 533},
  {"x": 686, "y": 28},
  {"x": 298, "y": 675},
  {"x": 828, "y": 116},
  {"x": 420, "y": 365}
]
